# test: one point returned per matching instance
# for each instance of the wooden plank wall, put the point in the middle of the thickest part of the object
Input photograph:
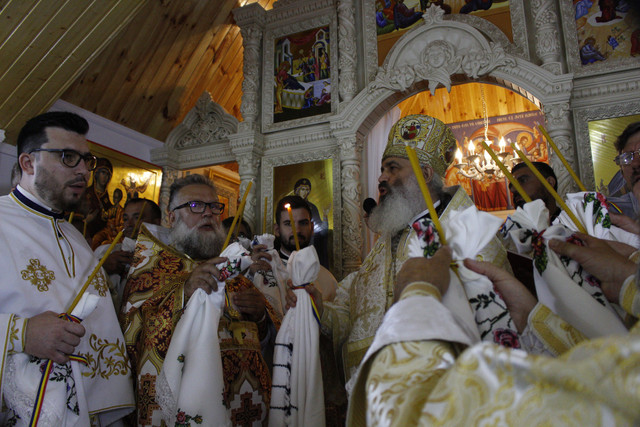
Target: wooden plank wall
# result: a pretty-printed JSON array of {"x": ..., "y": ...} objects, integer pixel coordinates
[
  {"x": 151, "y": 76},
  {"x": 465, "y": 103},
  {"x": 45, "y": 45}
]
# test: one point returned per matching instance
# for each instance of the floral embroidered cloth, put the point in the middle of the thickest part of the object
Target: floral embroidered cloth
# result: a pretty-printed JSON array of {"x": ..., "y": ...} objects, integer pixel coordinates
[
  {"x": 154, "y": 305},
  {"x": 190, "y": 385},
  {"x": 44, "y": 265},
  {"x": 592, "y": 211},
  {"x": 24, "y": 372},
  {"x": 471, "y": 297},
  {"x": 272, "y": 283},
  {"x": 561, "y": 283},
  {"x": 297, "y": 397}
]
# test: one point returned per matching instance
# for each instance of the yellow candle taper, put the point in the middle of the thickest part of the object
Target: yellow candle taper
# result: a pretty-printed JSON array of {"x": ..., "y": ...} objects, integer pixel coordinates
[
  {"x": 71, "y": 218},
  {"x": 293, "y": 226},
  {"x": 551, "y": 191},
  {"x": 506, "y": 173},
  {"x": 562, "y": 159},
  {"x": 139, "y": 220},
  {"x": 238, "y": 215},
  {"x": 237, "y": 229},
  {"x": 264, "y": 216},
  {"x": 415, "y": 164},
  {"x": 93, "y": 274}
]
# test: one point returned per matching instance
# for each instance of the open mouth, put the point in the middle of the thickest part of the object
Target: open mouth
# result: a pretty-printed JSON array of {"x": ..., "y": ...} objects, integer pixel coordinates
[{"x": 383, "y": 190}]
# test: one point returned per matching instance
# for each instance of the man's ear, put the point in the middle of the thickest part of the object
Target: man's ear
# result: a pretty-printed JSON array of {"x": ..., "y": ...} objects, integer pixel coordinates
[
  {"x": 551, "y": 180},
  {"x": 427, "y": 171},
  {"x": 171, "y": 217},
  {"x": 26, "y": 163}
]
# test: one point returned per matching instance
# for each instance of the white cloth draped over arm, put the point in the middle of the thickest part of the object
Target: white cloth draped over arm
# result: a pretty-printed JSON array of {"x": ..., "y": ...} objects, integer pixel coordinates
[
  {"x": 563, "y": 286},
  {"x": 23, "y": 375},
  {"x": 297, "y": 396},
  {"x": 468, "y": 231},
  {"x": 592, "y": 211},
  {"x": 191, "y": 382},
  {"x": 272, "y": 284}
]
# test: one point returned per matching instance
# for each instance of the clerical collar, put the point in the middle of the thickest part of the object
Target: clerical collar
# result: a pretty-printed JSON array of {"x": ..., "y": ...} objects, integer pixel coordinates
[
  {"x": 32, "y": 202},
  {"x": 283, "y": 256},
  {"x": 424, "y": 212}
]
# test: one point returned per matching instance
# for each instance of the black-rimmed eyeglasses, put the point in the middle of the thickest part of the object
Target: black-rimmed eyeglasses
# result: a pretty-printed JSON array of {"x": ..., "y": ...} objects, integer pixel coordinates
[
  {"x": 198, "y": 207},
  {"x": 71, "y": 158}
]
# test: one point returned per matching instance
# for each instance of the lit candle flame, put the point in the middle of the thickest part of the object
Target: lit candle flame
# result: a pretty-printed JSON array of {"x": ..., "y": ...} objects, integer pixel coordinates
[
  {"x": 487, "y": 158},
  {"x": 293, "y": 226},
  {"x": 459, "y": 155},
  {"x": 471, "y": 148},
  {"x": 502, "y": 144}
]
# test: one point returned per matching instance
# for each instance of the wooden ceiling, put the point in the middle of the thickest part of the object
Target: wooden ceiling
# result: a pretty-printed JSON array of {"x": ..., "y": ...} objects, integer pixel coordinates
[{"x": 139, "y": 63}]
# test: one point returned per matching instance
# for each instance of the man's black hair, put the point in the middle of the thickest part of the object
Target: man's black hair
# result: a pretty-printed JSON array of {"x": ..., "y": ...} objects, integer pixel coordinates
[
  {"x": 150, "y": 206},
  {"x": 226, "y": 223},
  {"x": 33, "y": 133},
  {"x": 627, "y": 133},
  {"x": 296, "y": 202},
  {"x": 543, "y": 168}
]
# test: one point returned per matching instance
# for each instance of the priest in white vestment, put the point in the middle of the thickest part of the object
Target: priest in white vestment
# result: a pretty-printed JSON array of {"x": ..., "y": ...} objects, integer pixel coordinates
[
  {"x": 415, "y": 374},
  {"x": 363, "y": 297},
  {"x": 45, "y": 262}
]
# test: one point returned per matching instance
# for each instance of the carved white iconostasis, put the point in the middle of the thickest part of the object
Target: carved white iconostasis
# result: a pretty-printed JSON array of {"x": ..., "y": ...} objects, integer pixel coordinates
[{"x": 441, "y": 51}]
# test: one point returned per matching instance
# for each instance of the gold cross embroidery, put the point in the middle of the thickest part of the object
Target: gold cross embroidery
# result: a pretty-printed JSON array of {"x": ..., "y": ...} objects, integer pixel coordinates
[{"x": 38, "y": 275}]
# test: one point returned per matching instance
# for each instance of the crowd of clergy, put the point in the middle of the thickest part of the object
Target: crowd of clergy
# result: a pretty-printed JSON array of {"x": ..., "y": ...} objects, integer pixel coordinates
[{"x": 455, "y": 317}]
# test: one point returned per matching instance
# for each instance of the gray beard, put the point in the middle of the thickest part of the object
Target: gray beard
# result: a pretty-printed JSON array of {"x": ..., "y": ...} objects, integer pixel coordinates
[
  {"x": 196, "y": 243},
  {"x": 397, "y": 209}
]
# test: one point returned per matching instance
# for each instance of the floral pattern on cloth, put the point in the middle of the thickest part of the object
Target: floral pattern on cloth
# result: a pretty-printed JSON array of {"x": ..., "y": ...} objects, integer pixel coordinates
[
  {"x": 272, "y": 283},
  {"x": 466, "y": 231},
  {"x": 184, "y": 420},
  {"x": 584, "y": 306},
  {"x": 153, "y": 305},
  {"x": 591, "y": 209},
  {"x": 59, "y": 405}
]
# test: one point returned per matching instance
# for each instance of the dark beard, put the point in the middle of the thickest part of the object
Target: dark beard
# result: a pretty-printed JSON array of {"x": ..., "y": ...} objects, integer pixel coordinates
[
  {"x": 196, "y": 243},
  {"x": 50, "y": 191},
  {"x": 290, "y": 246}
]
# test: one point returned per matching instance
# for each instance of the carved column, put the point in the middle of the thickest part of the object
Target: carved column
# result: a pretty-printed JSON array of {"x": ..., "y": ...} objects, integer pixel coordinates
[
  {"x": 547, "y": 35},
  {"x": 250, "y": 19},
  {"x": 169, "y": 174},
  {"x": 347, "y": 49},
  {"x": 248, "y": 169},
  {"x": 251, "y": 41},
  {"x": 559, "y": 127},
  {"x": 350, "y": 154}
]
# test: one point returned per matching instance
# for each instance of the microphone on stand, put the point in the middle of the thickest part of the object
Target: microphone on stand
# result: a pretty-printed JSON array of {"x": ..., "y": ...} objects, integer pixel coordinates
[{"x": 368, "y": 205}]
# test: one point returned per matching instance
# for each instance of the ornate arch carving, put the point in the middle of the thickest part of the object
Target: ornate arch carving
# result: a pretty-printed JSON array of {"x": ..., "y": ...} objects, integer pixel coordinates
[{"x": 201, "y": 139}]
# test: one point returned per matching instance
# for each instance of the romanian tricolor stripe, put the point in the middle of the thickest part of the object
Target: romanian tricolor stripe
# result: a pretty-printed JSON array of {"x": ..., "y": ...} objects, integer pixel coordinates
[
  {"x": 37, "y": 407},
  {"x": 613, "y": 205},
  {"x": 313, "y": 304},
  {"x": 42, "y": 387}
]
